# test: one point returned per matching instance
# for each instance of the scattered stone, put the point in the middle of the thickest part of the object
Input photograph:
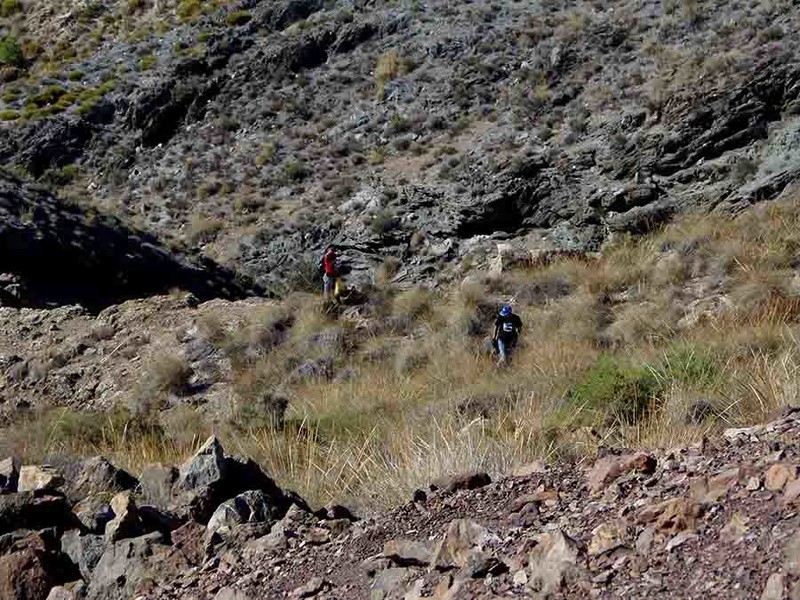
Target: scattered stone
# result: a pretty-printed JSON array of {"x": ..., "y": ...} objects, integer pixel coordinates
[
  {"x": 9, "y": 475},
  {"x": 778, "y": 475},
  {"x": 408, "y": 553},
  {"x": 250, "y": 507},
  {"x": 126, "y": 563},
  {"x": 735, "y": 530},
  {"x": 126, "y": 522},
  {"x": 156, "y": 484},
  {"x": 389, "y": 583},
  {"x": 94, "y": 513},
  {"x": 34, "y": 477},
  {"x": 314, "y": 586},
  {"x": 535, "y": 468},
  {"x": 461, "y": 541},
  {"x": 609, "y": 536},
  {"x": 774, "y": 589},
  {"x": 23, "y": 576},
  {"x": 206, "y": 468},
  {"x": 189, "y": 539},
  {"x": 671, "y": 516},
  {"x": 61, "y": 593},
  {"x": 229, "y": 593},
  {"x": 97, "y": 474},
  {"x": 645, "y": 541},
  {"x": 610, "y": 468},
  {"x": 464, "y": 481},
  {"x": 712, "y": 490},
  {"x": 34, "y": 510},
  {"x": 680, "y": 539},
  {"x": 553, "y": 562},
  {"x": 317, "y": 536},
  {"x": 83, "y": 550}
]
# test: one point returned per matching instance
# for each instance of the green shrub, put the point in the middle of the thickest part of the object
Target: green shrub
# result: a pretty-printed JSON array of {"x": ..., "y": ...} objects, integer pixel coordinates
[
  {"x": 266, "y": 411},
  {"x": 62, "y": 176},
  {"x": 187, "y": 9},
  {"x": 9, "y": 115},
  {"x": 48, "y": 96},
  {"x": 267, "y": 153},
  {"x": 376, "y": 156},
  {"x": 384, "y": 222},
  {"x": 135, "y": 6},
  {"x": 689, "y": 365},
  {"x": 239, "y": 17},
  {"x": 612, "y": 388},
  {"x": 75, "y": 75},
  {"x": 10, "y": 7},
  {"x": 11, "y": 52},
  {"x": 147, "y": 62},
  {"x": 295, "y": 171},
  {"x": 91, "y": 11}
]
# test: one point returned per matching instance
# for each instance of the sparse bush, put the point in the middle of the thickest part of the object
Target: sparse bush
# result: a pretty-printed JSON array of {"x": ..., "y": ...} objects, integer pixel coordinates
[
  {"x": 390, "y": 65},
  {"x": 203, "y": 230},
  {"x": 9, "y": 115},
  {"x": 743, "y": 169},
  {"x": 614, "y": 389},
  {"x": 383, "y": 222},
  {"x": 267, "y": 411},
  {"x": 147, "y": 62},
  {"x": 11, "y": 52},
  {"x": 376, "y": 156},
  {"x": 46, "y": 97},
  {"x": 415, "y": 304},
  {"x": 10, "y": 7},
  {"x": 135, "y": 6},
  {"x": 188, "y": 9},
  {"x": 267, "y": 153},
  {"x": 239, "y": 17},
  {"x": 165, "y": 374},
  {"x": 295, "y": 171},
  {"x": 689, "y": 365}
]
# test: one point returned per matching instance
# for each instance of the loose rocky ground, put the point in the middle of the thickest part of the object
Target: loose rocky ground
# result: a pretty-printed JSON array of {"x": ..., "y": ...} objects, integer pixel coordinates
[{"x": 717, "y": 519}]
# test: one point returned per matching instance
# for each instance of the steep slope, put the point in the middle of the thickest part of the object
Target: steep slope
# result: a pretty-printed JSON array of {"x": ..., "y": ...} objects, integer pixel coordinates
[
  {"x": 60, "y": 254},
  {"x": 263, "y": 131}
]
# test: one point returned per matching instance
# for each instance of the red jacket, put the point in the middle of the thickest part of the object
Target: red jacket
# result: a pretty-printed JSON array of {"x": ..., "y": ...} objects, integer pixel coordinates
[{"x": 329, "y": 264}]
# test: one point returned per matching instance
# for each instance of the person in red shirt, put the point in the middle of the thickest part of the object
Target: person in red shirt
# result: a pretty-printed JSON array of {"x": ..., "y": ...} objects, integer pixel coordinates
[{"x": 329, "y": 272}]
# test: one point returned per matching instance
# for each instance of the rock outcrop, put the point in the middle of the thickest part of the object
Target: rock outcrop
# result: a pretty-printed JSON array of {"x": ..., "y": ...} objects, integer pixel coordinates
[{"x": 63, "y": 255}]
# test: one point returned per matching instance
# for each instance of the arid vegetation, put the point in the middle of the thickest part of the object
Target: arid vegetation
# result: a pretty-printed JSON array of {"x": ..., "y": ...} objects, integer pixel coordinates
[{"x": 656, "y": 342}]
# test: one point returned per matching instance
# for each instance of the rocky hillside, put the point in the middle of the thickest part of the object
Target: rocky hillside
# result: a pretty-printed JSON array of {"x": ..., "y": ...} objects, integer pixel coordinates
[
  {"x": 417, "y": 132},
  {"x": 53, "y": 254},
  {"x": 716, "y": 519},
  {"x": 624, "y": 172}
]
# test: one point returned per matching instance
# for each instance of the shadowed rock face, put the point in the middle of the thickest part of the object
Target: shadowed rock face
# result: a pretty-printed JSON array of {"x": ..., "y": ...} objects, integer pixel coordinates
[{"x": 63, "y": 256}]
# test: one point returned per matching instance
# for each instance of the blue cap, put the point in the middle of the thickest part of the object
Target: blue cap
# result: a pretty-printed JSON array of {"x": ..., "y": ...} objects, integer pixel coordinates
[{"x": 505, "y": 311}]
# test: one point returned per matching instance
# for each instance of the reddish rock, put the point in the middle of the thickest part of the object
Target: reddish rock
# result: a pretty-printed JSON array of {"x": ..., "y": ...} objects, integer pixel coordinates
[
  {"x": 778, "y": 475},
  {"x": 609, "y": 468},
  {"x": 24, "y": 577}
]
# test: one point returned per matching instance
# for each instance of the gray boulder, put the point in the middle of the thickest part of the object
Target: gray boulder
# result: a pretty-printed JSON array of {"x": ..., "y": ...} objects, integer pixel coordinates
[
  {"x": 205, "y": 469},
  {"x": 94, "y": 513},
  {"x": 97, "y": 474},
  {"x": 125, "y": 564},
  {"x": 126, "y": 522},
  {"x": 250, "y": 507},
  {"x": 83, "y": 550},
  {"x": 34, "y": 510},
  {"x": 156, "y": 484},
  {"x": 9, "y": 475}
]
